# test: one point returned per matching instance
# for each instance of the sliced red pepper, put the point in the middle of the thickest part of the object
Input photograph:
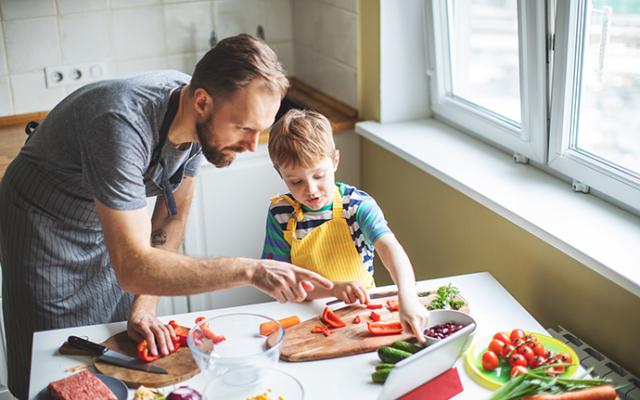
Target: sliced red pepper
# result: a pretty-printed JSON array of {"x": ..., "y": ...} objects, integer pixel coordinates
[
  {"x": 373, "y": 306},
  {"x": 181, "y": 333},
  {"x": 330, "y": 318},
  {"x": 356, "y": 320},
  {"x": 392, "y": 305},
  {"x": 384, "y": 328},
  {"x": 143, "y": 353},
  {"x": 208, "y": 332},
  {"x": 375, "y": 316},
  {"x": 319, "y": 329},
  {"x": 327, "y": 332}
]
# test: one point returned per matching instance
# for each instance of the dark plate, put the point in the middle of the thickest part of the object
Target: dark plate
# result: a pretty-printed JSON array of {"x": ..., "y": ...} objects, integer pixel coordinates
[{"x": 116, "y": 385}]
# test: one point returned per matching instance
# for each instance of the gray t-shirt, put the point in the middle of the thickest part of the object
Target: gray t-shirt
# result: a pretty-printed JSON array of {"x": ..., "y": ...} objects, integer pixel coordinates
[{"x": 101, "y": 140}]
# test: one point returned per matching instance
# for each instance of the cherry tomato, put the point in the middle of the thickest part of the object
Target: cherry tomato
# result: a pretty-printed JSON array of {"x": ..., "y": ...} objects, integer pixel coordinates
[
  {"x": 553, "y": 371},
  {"x": 489, "y": 360},
  {"x": 517, "y": 359},
  {"x": 526, "y": 352},
  {"x": 549, "y": 354},
  {"x": 506, "y": 350},
  {"x": 565, "y": 358},
  {"x": 535, "y": 361},
  {"x": 516, "y": 333},
  {"x": 531, "y": 338},
  {"x": 496, "y": 346},
  {"x": 539, "y": 349},
  {"x": 518, "y": 370},
  {"x": 517, "y": 342},
  {"x": 503, "y": 337}
]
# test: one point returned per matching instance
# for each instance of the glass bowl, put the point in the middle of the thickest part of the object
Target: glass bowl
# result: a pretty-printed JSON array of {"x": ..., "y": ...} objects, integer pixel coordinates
[
  {"x": 250, "y": 383},
  {"x": 243, "y": 345}
]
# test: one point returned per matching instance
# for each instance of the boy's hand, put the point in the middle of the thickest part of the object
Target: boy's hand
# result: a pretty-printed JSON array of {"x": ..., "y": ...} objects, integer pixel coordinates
[
  {"x": 286, "y": 282},
  {"x": 413, "y": 316},
  {"x": 350, "y": 292}
]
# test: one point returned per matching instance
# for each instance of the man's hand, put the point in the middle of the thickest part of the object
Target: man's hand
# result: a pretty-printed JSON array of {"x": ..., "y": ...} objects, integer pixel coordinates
[
  {"x": 413, "y": 316},
  {"x": 285, "y": 282},
  {"x": 350, "y": 292},
  {"x": 143, "y": 324}
]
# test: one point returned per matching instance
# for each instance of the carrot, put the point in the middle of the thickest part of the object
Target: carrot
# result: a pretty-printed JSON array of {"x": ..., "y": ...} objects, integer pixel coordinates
[
  {"x": 267, "y": 328},
  {"x": 604, "y": 392}
]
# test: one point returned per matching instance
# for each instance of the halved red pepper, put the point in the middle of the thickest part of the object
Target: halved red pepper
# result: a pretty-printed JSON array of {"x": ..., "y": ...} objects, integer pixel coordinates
[
  {"x": 356, "y": 320},
  {"x": 181, "y": 333},
  {"x": 374, "y": 306},
  {"x": 208, "y": 332},
  {"x": 330, "y": 318},
  {"x": 392, "y": 305},
  {"x": 143, "y": 352},
  {"x": 384, "y": 328},
  {"x": 374, "y": 316}
]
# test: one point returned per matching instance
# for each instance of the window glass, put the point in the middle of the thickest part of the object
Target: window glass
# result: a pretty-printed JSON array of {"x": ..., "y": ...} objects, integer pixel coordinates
[
  {"x": 609, "y": 117},
  {"x": 483, "y": 46}
]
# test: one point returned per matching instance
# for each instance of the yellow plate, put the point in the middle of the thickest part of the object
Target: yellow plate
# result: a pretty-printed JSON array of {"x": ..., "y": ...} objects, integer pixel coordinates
[{"x": 498, "y": 377}]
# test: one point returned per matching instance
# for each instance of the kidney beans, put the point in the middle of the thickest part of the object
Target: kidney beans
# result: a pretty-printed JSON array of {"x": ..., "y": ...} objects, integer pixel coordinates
[{"x": 443, "y": 330}]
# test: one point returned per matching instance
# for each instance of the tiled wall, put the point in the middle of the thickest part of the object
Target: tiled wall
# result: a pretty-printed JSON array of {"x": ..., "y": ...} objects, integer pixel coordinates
[
  {"x": 325, "y": 46},
  {"x": 131, "y": 36},
  {"x": 315, "y": 39}
]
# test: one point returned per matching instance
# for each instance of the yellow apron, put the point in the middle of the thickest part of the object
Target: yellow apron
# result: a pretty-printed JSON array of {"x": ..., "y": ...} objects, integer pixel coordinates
[{"x": 328, "y": 249}]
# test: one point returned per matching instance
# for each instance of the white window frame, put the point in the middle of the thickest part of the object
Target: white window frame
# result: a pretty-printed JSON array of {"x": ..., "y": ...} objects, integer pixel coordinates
[
  {"x": 599, "y": 175},
  {"x": 530, "y": 137}
]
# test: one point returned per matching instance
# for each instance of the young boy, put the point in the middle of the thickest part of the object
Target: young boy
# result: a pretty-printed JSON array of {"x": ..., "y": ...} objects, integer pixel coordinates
[{"x": 329, "y": 227}]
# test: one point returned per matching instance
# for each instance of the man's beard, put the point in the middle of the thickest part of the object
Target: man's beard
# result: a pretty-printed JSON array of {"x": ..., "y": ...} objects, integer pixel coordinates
[{"x": 214, "y": 154}]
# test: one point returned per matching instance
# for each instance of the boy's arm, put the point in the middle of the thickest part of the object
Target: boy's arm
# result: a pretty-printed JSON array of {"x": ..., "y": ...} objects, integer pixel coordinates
[{"x": 413, "y": 315}]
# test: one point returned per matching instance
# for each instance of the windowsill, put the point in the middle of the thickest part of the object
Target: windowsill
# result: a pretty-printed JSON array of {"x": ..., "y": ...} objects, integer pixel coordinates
[{"x": 598, "y": 234}]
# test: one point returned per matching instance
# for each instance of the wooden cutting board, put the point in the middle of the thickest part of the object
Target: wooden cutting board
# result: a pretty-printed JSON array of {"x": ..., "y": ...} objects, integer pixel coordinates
[
  {"x": 179, "y": 365},
  {"x": 302, "y": 345}
]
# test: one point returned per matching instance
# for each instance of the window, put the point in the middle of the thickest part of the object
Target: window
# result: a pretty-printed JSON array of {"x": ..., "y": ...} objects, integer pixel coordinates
[
  {"x": 595, "y": 114},
  {"x": 489, "y": 76},
  {"x": 490, "y": 70}
]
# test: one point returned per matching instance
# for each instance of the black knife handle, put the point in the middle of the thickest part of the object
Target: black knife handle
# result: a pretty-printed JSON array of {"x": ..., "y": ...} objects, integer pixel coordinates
[{"x": 84, "y": 344}]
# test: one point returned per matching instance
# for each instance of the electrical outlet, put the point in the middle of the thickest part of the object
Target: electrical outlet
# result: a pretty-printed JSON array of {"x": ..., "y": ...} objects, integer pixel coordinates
[{"x": 74, "y": 74}]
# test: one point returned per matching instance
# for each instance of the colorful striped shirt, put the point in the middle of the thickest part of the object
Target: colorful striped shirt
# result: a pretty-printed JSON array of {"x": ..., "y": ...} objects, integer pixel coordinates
[{"x": 364, "y": 217}]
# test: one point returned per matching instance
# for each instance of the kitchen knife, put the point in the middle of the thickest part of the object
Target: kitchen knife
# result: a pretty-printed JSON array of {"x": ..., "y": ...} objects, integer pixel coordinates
[
  {"x": 112, "y": 357},
  {"x": 381, "y": 295}
]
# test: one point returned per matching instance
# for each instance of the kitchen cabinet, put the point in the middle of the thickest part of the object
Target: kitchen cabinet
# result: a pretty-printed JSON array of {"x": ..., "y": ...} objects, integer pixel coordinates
[{"x": 228, "y": 217}]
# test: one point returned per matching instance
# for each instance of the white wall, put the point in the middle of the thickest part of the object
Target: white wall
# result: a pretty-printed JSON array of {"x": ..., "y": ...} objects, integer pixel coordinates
[{"x": 130, "y": 36}]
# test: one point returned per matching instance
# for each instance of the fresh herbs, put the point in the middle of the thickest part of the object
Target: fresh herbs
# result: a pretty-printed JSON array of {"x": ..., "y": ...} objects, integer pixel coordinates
[
  {"x": 447, "y": 298},
  {"x": 536, "y": 382}
]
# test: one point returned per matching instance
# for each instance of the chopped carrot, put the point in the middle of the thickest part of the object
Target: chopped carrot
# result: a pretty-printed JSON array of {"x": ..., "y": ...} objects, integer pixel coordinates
[{"x": 267, "y": 328}]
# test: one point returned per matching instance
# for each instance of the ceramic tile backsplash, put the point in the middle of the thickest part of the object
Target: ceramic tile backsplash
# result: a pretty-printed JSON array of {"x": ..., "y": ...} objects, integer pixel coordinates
[
  {"x": 14, "y": 9},
  {"x": 84, "y": 37},
  {"x": 325, "y": 46},
  {"x": 315, "y": 40}
]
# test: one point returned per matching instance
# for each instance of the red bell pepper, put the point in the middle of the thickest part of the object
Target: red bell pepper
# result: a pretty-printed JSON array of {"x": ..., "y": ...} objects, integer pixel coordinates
[
  {"x": 375, "y": 316},
  {"x": 143, "y": 353},
  {"x": 356, "y": 320},
  {"x": 319, "y": 329},
  {"x": 392, "y": 305},
  {"x": 208, "y": 332},
  {"x": 327, "y": 332},
  {"x": 181, "y": 333},
  {"x": 384, "y": 328},
  {"x": 373, "y": 306},
  {"x": 330, "y": 318}
]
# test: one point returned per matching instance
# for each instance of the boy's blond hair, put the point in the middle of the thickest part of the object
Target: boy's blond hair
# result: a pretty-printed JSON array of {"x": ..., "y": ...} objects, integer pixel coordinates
[{"x": 300, "y": 138}]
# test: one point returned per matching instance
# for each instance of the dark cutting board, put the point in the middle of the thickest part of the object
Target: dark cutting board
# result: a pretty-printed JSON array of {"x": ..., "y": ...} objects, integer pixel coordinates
[
  {"x": 179, "y": 365},
  {"x": 302, "y": 345}
]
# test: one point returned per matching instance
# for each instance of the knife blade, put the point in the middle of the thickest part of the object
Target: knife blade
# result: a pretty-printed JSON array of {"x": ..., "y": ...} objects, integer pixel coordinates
[
  {"x": 378, "y": 295},
  {"x": 109, "y": 356}
]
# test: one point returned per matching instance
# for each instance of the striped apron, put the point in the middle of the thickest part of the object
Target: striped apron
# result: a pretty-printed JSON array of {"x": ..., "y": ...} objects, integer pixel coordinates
[
  {"x": 56, "y": 271},
  {"x": 328, "y": 249}
]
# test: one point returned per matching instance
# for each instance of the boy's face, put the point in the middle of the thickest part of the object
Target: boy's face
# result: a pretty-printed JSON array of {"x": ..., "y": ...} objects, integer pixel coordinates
[{"x": 312, "y": 186}]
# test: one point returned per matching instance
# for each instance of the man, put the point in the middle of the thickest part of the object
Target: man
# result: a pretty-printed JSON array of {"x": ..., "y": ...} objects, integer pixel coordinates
[{"x": 75, "y": 238}]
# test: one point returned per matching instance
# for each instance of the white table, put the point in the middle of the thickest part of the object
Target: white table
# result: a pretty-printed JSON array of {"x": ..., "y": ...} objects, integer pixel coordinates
[{"x": 492, "y": 307}]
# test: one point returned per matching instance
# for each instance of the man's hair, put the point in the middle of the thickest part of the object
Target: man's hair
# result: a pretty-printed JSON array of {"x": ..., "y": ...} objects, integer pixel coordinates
[
  {"x": 300, "y": 138},
  {"x": 234, "y": 63}
]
